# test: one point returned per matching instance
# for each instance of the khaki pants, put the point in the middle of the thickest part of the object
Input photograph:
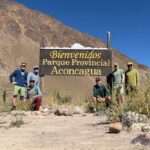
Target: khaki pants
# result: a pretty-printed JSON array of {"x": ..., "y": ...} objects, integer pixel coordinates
[{"x": 97, "y": 100}]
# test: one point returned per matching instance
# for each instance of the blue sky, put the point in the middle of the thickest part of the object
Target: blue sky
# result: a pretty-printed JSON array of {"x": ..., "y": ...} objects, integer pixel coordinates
[{"x": 127, "y": 20}]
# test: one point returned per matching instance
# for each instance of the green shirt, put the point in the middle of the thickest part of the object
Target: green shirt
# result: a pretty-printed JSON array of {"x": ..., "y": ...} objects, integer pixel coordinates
[
  {"x": 132, "y": 78},
  {"x": 117, "y": 76},
  {"x": 100, "y": 91}
]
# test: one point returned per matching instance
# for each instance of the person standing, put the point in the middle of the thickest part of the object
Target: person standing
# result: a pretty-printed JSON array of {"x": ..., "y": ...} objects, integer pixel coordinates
[
  {"x": 19, "y": 79},
  {"x": 100, "y": 94},
  {"x": 34, "y": 75},
  {"x": 131, "y": 80},
  {"x": 117, "y": 82}
]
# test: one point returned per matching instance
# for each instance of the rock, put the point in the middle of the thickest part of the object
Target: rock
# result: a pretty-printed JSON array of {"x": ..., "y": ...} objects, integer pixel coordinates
[
  {"x": 145, "y": 128},
  {"x": 45, "y": 110},
  {"x": 15, "y": 112},
  {"x": 143, "y": 139},
  {"x": 137, "y": 127},
  {"x": 130, "y": 118},
  {"x": 63, "y": 112},
  {"x": 100, "y": 113},
  {"x": 115, "y": 127},
  {"x": 78, "y": 110}
]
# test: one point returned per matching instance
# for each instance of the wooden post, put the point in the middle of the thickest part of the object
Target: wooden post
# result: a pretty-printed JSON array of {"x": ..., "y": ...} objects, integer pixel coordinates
[
  {"x": 42, "y": 84},
  {"x": 108, "y": 40},
  {"x": 42, "y": 44}
]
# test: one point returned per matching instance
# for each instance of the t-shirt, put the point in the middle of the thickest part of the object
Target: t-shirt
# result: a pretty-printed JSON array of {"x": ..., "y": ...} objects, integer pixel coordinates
[
  {"x": 132, "y": 78},
  {"x": 100, "y": 91},
  {"x": 34, "y": 92},
  {"x": 117, "y": 77}
]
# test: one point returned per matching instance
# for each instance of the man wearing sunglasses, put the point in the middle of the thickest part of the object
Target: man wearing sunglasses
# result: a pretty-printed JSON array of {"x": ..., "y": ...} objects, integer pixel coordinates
[{"x": 19, "y": 79}]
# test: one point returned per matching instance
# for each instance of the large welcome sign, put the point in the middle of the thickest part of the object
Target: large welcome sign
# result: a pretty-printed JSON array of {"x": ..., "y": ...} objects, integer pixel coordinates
[{"x": 75, "y": 62}]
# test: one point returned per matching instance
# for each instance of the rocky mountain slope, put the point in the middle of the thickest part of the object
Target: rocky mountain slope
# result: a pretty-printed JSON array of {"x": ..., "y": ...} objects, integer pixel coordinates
[{"x": 21, "y": 31}]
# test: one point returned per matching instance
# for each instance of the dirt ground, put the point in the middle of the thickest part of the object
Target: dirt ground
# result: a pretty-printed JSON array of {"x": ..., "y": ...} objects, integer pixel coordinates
[{"x": 78, "y": 132}]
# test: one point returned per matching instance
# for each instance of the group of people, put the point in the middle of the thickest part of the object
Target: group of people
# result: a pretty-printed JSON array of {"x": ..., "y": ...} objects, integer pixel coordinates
[
  {"x": 119, "y": 83},
  {"x": 26, "y": 85}
]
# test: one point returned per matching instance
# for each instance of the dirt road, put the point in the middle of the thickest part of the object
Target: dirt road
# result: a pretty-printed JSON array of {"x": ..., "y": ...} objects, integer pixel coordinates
[{"x": 79, "y": 132}]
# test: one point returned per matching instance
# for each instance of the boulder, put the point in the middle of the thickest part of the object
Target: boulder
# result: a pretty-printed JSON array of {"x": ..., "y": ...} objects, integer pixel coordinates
[
  {"x": 115, "y": 127},
  {"x": 63, "y": 112},
  {"x": 137, "y": 127},
  {"x": 45, "y": 110},
  {"x": 78, "y": 110},
  {"x": 145, "y": 128},
  {"x": 143, "y": 139}
]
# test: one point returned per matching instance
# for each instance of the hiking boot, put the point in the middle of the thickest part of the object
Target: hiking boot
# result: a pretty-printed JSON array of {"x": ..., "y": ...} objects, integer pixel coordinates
[{"x": 13, "y": 108}]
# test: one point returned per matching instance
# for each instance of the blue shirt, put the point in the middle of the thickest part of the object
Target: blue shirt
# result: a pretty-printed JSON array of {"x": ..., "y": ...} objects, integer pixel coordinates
[
  {"x": 19, "y": 78},
  {"x": 33, "y": 76}
]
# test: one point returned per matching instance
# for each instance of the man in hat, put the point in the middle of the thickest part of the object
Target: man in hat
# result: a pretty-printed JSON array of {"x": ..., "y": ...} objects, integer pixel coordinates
[
  {"x": 34, "y": 75},
  {"x": 131, "y": 79},
  {"x": 117, "y": 83},
  {"x": 100, "y": 94},
  {"x": 34, "y": 96},
  {"x": 19, "y": 79}
]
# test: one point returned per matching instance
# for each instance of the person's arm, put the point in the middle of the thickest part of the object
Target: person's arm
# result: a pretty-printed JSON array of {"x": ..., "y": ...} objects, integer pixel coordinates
[
  {"x": 38, "y": 92},
  {"x": 12, "y": 76},
  {"x": 38, "y": 82},
  {"x": 28, "y": 79},
  {"x": 94, "y": 92},
  {"x": 125, "y": 79},
  {"x": 106, "y": 90},
  {"x": 122, "y": 77},
  {"x": 137, "y": 78}
]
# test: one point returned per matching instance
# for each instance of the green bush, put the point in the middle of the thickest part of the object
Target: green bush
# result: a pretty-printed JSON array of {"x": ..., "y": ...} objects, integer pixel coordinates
[
  {"x": 61, "y": 99},
  {"x": 17, "y": 121},
  {"x": 137, "y": 101},
  {"x": 4, "y": 96}
]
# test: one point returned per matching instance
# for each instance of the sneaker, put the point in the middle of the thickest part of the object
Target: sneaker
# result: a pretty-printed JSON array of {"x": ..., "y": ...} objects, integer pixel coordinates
[{"x": 94, "y": 110}]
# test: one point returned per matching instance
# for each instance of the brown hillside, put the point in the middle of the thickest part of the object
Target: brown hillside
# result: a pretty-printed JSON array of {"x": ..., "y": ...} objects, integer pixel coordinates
[{"x": 21, "y": 31}]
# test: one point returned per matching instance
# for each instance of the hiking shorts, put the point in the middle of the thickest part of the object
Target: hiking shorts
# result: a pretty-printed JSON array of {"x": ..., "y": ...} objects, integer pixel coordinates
[
  {"x": 118, "y": 89},
  {"x": 18, "y": 90}
]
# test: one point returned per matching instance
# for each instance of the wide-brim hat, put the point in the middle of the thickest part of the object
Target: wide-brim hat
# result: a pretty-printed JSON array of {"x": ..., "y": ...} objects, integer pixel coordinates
[{"x": 129, "y": 64}]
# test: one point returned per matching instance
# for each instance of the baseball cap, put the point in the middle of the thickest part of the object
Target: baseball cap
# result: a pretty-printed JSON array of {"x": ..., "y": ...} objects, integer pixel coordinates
[
  {"x": 129, "y": 63},
  {"x": 36, "y": 67},
  {"x": 115, "y": 64},
  {"x": 97, "y": 79}
]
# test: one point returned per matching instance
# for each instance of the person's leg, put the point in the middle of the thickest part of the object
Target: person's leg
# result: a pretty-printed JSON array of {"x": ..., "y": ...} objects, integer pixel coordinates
[
  {"x": 122, "y": 96},
  {"x": 22, "y": 93},
  {"x": 95, "y": 103},
  {"x": 38, "y": 103},
  {"x": 15, "y": 95},
  {"x": 107, "y": 101}
]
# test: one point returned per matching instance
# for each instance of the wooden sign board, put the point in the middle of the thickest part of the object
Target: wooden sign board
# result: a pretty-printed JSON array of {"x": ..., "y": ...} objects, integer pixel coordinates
[{"x": 75, "y": 62}]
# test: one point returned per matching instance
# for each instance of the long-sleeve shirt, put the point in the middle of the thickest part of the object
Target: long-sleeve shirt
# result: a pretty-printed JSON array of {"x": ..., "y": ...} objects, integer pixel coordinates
[
  {"x": 19, "y": 77},
  {"x": 33, "y": 76},
  {"x": 132, "y": 78},
  {"x": 100, "y": 91}
]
